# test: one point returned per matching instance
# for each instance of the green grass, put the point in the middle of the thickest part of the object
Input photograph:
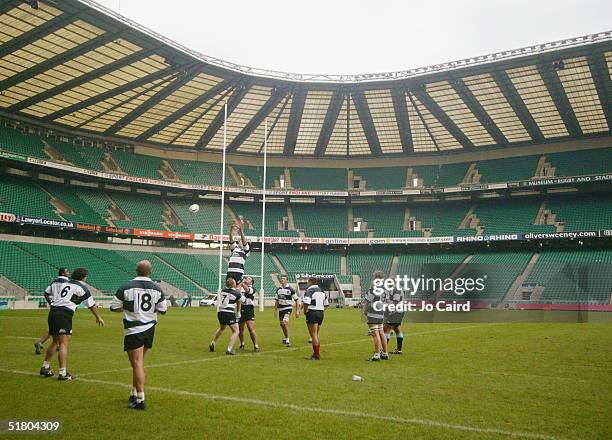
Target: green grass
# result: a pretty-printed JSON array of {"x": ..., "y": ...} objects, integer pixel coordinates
[{"x": 552, "y": 380}]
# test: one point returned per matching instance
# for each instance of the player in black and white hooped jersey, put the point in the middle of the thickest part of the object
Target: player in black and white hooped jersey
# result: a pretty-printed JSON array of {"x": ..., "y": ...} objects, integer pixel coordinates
[
  {"x": 140, "y": 300},
  {"x": 314, "y": 301},
  {"x": 51, "y": 292},
  {"x": 375, "y": 315},
  {"x": 240, "y": 251},
  {"x": 71, "y": 293},
  {"x": 393, "y": 319},
  {"x": 247, "y": 313},
  {"x": 286, "y": 297},
  {"x": 230, "y": 302}
]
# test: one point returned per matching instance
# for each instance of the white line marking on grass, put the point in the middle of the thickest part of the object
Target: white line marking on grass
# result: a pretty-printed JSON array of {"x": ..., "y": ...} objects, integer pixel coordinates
[
  {"x": 310, "y": 410},
  {"x": 34, "y": 338},
  {"x": 264, "y": 353}
]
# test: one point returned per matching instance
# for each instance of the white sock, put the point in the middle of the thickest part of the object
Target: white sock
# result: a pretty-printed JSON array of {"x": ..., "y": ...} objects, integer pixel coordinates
[
  {"x": 46, "y": 364},
  {"x": 62, "y": 371},
  {"x": 140, "y": 397},
  {"x": 133, "y": 392}
]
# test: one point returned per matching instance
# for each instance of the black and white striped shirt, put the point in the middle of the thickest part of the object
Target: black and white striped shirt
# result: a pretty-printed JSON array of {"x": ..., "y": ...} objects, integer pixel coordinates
[
  {"x": 394, "y": 297},
  {"x": 140, "y": 299},
  {"x": 238, "y": 257},
  {"x": 286, "y": 296},
  {"x": 249, "y": 298},
  {"x": 71, "y": 294},
  {"x": 315, "y": 298},
  {"x": 370, "y": 299},
  {"x": 229, "y": 299},
  {"x": 54, "y": 289}
]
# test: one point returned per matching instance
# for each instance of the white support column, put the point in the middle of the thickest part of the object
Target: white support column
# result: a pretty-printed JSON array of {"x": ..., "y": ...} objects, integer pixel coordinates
[
  {"x": 221, "y": 222},
  {"x": 263, "y": 218}
]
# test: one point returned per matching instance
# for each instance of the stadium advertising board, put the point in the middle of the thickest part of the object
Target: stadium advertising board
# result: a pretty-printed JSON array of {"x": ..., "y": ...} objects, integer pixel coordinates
[
  {"x": 305, "y": 193},
  {"x": 13, "y": 156},
  {"x": 188, "y": 236}
]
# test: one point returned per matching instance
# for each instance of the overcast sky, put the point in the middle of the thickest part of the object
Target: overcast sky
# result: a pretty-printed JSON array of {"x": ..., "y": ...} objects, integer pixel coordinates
[{"x": 357, "y": 36}]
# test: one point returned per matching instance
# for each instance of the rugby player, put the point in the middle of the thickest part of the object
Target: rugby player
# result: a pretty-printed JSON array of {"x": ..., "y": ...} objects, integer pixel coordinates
[
  {"x": 226, "y": 314},
  {"x": 50, "y": 293},
  {"x": 240, "y": 251},
  {"x": 283, "y": 306},
  {"x": 374, "y": 318},
  {"x": 72, "y": 293},
  {"x": 139, "y": 299},
  {"x": 314, "y": 301},
  {"x": 247, "y": 313},
  {"x": 393, "y": 319}
]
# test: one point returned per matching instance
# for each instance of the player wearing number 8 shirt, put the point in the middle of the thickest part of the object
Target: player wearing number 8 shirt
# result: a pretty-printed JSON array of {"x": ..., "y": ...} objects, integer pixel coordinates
[
  {"x": 140, "y": 299},
  {"x": 65, "y": 302}
]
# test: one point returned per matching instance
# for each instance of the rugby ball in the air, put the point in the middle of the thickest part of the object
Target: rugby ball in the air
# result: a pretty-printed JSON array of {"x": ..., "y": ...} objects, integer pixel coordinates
[{"x": 194, "y": 208}]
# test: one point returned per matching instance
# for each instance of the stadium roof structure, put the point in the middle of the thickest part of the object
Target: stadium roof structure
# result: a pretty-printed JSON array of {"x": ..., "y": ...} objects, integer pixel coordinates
[{"x": 79, "y": 66}]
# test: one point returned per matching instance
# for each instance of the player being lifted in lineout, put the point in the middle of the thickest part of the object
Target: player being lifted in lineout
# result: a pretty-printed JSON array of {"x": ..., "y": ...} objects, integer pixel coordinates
[{"x": 240, "y": 251}]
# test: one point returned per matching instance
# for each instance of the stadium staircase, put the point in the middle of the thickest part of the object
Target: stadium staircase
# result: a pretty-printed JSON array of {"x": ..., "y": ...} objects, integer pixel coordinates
[
  {"x": 110, "y": 165},
  {"x": 9, "y": 289},
  {"x": 515, "y": 291},
  {"x": 472, "y": 176}
]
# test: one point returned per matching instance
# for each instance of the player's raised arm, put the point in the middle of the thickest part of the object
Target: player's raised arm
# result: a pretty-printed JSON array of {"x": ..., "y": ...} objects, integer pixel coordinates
[{"x": 240, "y": 227}]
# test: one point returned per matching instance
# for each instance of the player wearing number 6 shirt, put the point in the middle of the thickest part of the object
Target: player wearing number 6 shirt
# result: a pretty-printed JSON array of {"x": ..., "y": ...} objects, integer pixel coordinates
[
  {"x": 140, "y": 299},
  {"x": 315, "y": 301},
  {"x": 72, "y": 293}
]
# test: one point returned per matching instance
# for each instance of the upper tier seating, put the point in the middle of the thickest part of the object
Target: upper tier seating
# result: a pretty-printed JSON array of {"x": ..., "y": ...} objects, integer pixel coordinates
[
  {"x": 319, "y": 178},
  {"x": 451, "y": 174},
  {"x": 84, "y": 157},
  {"x": 581, "y": 163},
  {"x": 201, "y": 173},
  {"x": 253, "y": 214},
  {"x": 138, "y": 164},
  {"x": 255, "y": 174},
  {"x": 507, "y": 170},
  {"x": 429, "y": 173},
  {"x": 443, "y": 218},
  {"x": 382, "y": 178},
  {"x": 384, "y": 220},
  {"x": 16, "y": 141},
  {"x": 323, "y": 221},
  {"x": 205, "y": 221}
]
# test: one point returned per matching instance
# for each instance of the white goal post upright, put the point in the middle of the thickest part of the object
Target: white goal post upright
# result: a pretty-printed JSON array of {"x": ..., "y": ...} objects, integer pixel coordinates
[
  {"x": 222, "y": 223},
  {"x": 263, "y": 218}
]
